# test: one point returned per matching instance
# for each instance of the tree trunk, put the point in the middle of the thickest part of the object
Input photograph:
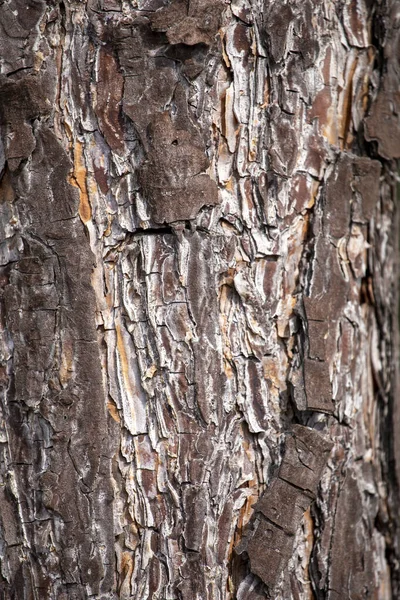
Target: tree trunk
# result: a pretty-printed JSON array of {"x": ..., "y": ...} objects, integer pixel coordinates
[{"x": 199, "y": 299}]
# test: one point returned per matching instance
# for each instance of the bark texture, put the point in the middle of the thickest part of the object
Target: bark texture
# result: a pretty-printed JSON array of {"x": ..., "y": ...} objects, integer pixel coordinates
[{"x": 198, "y": 296}]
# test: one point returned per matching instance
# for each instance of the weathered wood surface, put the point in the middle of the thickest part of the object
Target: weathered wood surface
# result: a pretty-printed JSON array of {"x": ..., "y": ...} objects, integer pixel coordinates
[{"x": 198, "y": 299}]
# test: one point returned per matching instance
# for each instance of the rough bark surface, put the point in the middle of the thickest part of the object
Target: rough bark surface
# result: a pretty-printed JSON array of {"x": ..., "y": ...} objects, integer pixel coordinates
[{"x": 198, "y": 299}]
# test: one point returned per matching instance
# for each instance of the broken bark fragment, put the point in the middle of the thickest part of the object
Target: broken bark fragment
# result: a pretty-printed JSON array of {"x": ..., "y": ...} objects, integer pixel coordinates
[
  {"x": 280, "y": 509},
  {"x": 189, "y": 23},
  {"x": 173, "y": 175},
  {"x": 352, "y": 194}
]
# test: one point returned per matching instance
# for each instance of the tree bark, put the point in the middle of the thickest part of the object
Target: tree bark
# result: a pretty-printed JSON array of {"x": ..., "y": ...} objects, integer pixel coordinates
[{"x": 199, "y": 330}]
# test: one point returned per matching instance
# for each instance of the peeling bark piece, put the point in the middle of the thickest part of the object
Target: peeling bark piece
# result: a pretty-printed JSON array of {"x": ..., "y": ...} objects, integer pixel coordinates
[
  {"x": 284, "y": 505},
  {"x": 242, "y": 10},
  {"x": 192, "y": 58},
  {"x": 28, "y": 12},
  {"x": 351, "y": 574},
  {"x": 109, "y": 96},
  {"x": 197, "y": 23},
  {"x": 187, "y": 31},
  {"x": 317, "y": 335},
  {"x": 318, "y": 386},
  {"x": 277, "y": 19},
  {"x": 173, "y": 175},
  {"x": 366, "y": 174},
  {"x": 284, "y": 149},
  {"x": 21, "y": 102},
  {"x": 169, "y": 16},
  {"x": 328, "y": 290},
  {"x": 304, "y": 42},
  {"x": 383, "y": 124},
  {"x": 195, "y": 508},
  {"x": 19, "y": 33},
  {"x": 337, "y": 217},
  {"x": 24, "y": 99},
  {"x": 306, "y": 453},
  {"x": 269, "y": 551},
  {"x": 146, "y": 95}
]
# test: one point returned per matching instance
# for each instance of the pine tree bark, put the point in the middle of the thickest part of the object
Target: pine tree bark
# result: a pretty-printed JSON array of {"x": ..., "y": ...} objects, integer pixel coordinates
[{"x": 199, "y": 334}]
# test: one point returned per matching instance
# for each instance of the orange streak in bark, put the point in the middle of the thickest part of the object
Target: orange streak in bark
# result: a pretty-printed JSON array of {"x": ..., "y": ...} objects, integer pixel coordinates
[
  {"x": 112, "y": 409},
  {"x": 347, "y": 105},
  {"x": 67, "y": 359},
  {"x": 78, "y": 179},
  {"x": 124, "y": 359}
]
